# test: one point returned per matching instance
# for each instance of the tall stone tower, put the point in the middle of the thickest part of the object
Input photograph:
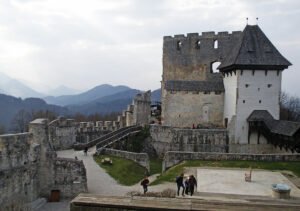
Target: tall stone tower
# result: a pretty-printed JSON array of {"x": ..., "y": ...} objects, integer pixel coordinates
[
  {"x": 252, "y": 80},
  {"x": 192, "y": 92}
]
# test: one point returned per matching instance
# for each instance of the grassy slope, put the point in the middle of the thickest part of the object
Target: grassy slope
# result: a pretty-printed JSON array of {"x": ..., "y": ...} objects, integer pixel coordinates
[
  {"x": 124, "y": 171},
  {"x": 127, "y": 172}
]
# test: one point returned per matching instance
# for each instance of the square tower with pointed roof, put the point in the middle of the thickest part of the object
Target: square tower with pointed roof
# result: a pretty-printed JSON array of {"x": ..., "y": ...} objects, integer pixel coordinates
[{"x": 247, "y": 79}]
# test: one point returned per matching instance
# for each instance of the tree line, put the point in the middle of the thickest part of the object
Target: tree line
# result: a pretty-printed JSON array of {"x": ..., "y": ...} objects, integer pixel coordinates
[{"x": 289, "y": 110}]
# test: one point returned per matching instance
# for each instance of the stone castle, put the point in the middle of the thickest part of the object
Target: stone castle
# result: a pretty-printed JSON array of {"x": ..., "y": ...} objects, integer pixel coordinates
[
  {"x": 246, "y": 84},
  {"x": 220, "y": 100}
]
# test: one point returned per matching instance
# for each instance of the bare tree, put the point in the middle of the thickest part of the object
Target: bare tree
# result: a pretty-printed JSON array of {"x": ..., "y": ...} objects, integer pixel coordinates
[
  {"x": 21, "y": 120},
  {"x": 289, "y": 107}
]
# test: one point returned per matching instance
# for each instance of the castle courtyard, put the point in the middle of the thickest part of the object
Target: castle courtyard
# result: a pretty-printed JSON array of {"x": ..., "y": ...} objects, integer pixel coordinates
[{"x": 232, "y": 181}]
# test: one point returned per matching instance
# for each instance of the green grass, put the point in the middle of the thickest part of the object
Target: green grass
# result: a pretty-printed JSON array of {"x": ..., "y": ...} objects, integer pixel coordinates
[
  {"x": 170, "y": 174},
  {"x": 155, "y": 166},
  {"x": 125, "y": 172}
]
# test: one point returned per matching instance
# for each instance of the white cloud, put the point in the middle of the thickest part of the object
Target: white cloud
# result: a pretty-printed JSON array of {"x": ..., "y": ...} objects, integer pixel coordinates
[{"x": 85, "y": 43}]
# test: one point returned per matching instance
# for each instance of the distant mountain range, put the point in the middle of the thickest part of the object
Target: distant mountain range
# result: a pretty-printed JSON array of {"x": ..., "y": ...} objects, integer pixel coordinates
[
  {"x": 88, "y": 96},
  {"x": 100, "y": 99},
  {"x": 10, "y": 106},
  {"x": 10, "y": 86},
  {"x": 62, "y": 90},
  {"x": 107, "y": 104}
]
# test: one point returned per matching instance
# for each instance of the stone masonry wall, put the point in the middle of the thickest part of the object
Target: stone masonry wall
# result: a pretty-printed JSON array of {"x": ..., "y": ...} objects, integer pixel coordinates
[
  {"x": 172, "y": 158},
  {"x": 142, "y": 109},
  {"x": 193, "y": 140},
  {"x": 29, "y": 169},
  {"x": 69, "y": 177},
  {"x": 62, "y": 133},
  {"x": 19, "y": 162},
  {"x": 185, "y": 108},
  {"x": 140, "y": 158}
]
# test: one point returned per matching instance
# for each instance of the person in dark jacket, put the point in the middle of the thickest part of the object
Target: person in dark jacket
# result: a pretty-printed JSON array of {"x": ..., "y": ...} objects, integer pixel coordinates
[
  {"x": 179, "y": 181},
  {"x": 192, "y": 184},
  {"x": 186, "y": 186},
  {"x": 145, "y": 184}
]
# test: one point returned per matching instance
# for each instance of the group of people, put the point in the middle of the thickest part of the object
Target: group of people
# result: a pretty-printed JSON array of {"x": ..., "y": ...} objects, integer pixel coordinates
[{"x": 187, "y": 185}]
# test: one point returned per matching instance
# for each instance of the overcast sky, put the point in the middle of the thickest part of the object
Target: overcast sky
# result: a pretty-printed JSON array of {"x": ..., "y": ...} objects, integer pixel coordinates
[{"x": 84, "y": 43}]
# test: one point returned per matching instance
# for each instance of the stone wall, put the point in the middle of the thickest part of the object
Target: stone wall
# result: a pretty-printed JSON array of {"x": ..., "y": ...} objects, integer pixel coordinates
[
  {"x": 172, "y": 158},
  {"x": 188, "y": 62},
  {"x": 142, "y": 108},
  {"x": 194, "y": 140},
  {"x": 188, "y": 108},
  {"x": 29, "y": 169},
  {"x": 69, "y": 177},
  {"x": 62, "y": 133},
  {"x": 140, "y": 158},
  {"x": 138, "y": 112},
  {"x": 19, "y": 181}
]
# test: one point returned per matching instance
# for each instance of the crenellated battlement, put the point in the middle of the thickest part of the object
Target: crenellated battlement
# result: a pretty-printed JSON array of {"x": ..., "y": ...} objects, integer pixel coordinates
[
  {"x": 190, "y": 57},
  {"x": 203, "y": 35}
]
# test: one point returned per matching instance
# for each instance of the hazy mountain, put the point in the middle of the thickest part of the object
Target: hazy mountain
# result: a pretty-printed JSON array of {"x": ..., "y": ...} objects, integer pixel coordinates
[
  {"x": 112, "y": 103},
  {"x": 88, "y": 96},
  {"x": 9, "y": 107},
  {"x": 16, "y": 88},
  {"x": 62, "y": 90},
  {"x": 156, "y": 95}
]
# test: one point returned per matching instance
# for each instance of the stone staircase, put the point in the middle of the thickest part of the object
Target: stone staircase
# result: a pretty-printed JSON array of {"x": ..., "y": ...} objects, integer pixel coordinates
[
  {"x": 117, "y": 137},
  {"x": 108, "y": 138}
]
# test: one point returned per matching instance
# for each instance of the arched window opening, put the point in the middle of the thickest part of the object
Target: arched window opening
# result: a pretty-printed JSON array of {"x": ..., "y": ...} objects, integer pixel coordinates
[
  {"x": 198, "y": 43},
  {"x": 214, "y": 67},
  {"x": 179, "y": 45},
  {"x": 216, "y": 44}
]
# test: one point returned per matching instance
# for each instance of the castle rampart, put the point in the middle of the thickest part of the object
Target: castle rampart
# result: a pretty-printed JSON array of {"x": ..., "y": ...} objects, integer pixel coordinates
[{"x": 29, "y": 169}]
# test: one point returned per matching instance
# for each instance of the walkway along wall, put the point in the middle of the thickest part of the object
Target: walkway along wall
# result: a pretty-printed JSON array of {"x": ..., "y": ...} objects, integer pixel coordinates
[
  {"x": 140, "y": 158},
  {"x": 174, "y": 157}
]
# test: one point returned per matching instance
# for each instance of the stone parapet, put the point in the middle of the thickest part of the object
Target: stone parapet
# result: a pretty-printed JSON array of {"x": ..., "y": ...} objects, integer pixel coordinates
[
  {"x": 140, "y": 158},
  {"x": 69, "y": 177},
  {"x": 172, "y": 158},
  {"x": 91, "y": 202}
]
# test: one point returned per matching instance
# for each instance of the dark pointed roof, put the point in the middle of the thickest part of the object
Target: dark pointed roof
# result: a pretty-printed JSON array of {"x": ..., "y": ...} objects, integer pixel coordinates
[
  {"x": 281, "y": 127},
  {"x": 254, "y": 51}
]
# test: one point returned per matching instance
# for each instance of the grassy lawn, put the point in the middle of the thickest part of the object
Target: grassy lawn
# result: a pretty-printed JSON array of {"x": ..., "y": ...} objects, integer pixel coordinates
[
  {"x": 155, "y": 166},
  {"x": 171, "y": 173},
  {"x": 125, "y": 172}
]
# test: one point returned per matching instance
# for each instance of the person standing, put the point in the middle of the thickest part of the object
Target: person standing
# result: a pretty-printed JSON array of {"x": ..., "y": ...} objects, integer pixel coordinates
[
  {"x": 85, "y": 151},
  {"x": 186, "y": 186},
  {"x": 192, "y": 184},
  {"x": 179, "y": 181},
  {"x": 145, "y": 184}
]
